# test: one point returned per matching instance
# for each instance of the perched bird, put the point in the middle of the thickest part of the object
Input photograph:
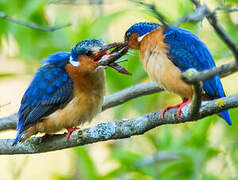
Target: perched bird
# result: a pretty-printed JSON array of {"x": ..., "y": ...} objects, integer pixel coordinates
[
  {"x": 66, "y": 92},
  {"x": 166, "y": 53}
]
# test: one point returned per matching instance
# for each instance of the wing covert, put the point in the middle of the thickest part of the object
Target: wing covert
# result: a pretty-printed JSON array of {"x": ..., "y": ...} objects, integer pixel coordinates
[
  {"x": 186, "y": 51},
  {"x": 51, "y": 89}
]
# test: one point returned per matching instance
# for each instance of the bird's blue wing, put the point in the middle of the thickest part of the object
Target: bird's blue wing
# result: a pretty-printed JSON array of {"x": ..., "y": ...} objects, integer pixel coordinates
[
  {"x": 57, "y": 58},
  {"x": 50, "y": 89},
  {"x": 186, "y": 51}
]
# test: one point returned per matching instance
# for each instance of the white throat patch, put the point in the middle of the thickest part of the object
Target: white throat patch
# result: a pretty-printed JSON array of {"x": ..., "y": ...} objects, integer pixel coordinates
[
  {"x": 74, "y": 63},
  {"x": 141, "y": 37}
]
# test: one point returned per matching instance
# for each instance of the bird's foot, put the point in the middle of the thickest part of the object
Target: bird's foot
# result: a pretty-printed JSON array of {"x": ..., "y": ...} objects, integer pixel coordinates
[
  {"x": 179, "y": 106},
  {"x": 184, "y": 103},
  {"x": 167, "y": 108},
  {"x": 70, "y": 130}
]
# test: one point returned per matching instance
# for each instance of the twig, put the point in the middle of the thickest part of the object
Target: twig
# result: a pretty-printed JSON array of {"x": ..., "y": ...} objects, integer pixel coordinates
[
  {"x": 32, "y": 25},
  {"x": 211, "y": 17},
  {"x": 222, "y": 70},
  {"x": 9, "y": 122},
  {"x": 196, "y": 16},
  {"x": 197, "y": 95},
  {"x": 110, "y": 101},
  {"x": 116, "y": 129},
  {"x": 129, "y": 93},
  {"x": 3, "y": 105},
  {"x": 226, "y": 9},
  {"x": 153, "y": 9}
]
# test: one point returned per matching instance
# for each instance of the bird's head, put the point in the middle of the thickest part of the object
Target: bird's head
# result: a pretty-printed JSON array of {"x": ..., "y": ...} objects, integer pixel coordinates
[
  {"x": 86, "y": 54},
  {"x": 136, "y": 32}
]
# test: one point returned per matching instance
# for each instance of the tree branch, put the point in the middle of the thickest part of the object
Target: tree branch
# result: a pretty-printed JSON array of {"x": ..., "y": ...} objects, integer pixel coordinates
[
  {"x": 152, "y": 7},
  {"x": 226, "y": 9},
  {"x": 222, "y": 70},
  {"x": 112, "y": 100},
  {"x": 211, "y": 17},
  {"x": 33, "y": 25},
  {"x": 130, "y": 93},
  {"x": 197, "y": 95},
  {"x": 126, "y": 128},
  {"x": 115, "y": 130},
  {"x": 198, "y": 15}
]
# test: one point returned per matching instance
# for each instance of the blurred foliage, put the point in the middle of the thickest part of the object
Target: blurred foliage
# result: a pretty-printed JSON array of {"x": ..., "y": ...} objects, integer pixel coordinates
[{"x": 207, "y": 149}]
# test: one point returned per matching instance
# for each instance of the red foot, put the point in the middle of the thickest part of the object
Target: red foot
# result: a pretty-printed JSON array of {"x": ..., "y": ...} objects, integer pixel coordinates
[
  {"x": 167, "y": 108},
  {"x": 180, "y": 106},
  {"x": 70, "y": 130}
]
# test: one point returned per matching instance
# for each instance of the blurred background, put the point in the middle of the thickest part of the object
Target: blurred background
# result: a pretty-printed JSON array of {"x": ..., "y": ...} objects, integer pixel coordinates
[{"x": 207, "y": 149}]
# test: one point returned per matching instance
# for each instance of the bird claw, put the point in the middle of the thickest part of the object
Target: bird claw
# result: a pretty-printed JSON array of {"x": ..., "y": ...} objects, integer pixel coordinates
[
  {"x": 167, "y": 108},
  {"x": 179, "y": 106},
  {"x": 70, "y": 130}
]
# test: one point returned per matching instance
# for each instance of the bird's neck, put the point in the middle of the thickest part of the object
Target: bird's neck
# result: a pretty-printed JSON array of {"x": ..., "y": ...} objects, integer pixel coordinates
[
  {"x": 152, "y": 43},
  {"x": 87, "y": 82}
]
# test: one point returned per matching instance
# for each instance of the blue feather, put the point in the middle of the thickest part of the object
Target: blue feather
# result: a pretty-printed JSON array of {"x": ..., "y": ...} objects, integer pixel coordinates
[
  {"x": 19, "y": 135},
  {"x": 225, "y": 115},
  {"x": 186, "y": 51},
  {"x": 19, "y": 126},
  {"x": 50, "y": 89},
  {"x": 57, "y": 57}
]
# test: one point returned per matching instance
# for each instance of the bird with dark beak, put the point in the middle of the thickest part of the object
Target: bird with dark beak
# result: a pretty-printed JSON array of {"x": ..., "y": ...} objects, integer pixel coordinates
[
  {"x": 67, "y": 91},
  {"x": 166, "y": 52}
]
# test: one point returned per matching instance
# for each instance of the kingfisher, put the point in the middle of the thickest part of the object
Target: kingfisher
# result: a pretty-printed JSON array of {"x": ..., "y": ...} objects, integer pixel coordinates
[
  {"x": 64, "y": 93},
  {"x": 166, "y": 53}
]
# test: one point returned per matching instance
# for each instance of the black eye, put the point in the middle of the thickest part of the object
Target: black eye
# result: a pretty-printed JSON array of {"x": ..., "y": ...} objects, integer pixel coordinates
[
  {"x": 128, "y": 34},
  {"x": 89, "y": 53}
]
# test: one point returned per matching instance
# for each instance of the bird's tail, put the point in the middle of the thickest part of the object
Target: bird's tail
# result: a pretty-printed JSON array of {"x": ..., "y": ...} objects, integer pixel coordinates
[
  {"x": 19, "y": 135},
  {"x": 225, "y": 115}
]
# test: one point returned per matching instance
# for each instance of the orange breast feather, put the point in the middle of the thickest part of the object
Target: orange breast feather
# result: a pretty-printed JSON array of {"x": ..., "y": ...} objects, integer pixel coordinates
[
  {"x": 87, "y": 101},
  {"x": 153, "y": 54}
]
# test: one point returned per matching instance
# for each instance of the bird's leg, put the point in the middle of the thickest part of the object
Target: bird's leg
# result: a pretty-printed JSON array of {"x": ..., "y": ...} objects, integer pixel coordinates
[
  {"x": 184, "y": 103},
  {"x": 70, "y": 130},
  {"x": 180, "y": 106}
]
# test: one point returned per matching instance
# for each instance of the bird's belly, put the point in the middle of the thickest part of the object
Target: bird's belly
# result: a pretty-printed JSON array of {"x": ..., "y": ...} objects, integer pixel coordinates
[
  {"x": 79, "y": 110},
  {"x": 167, "y": 75},
  {"x": 86, "y": 103}
]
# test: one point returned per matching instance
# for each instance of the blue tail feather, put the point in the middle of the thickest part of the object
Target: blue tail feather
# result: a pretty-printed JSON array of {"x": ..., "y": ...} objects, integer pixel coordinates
[
  {"x": 225, "y": 115},
  {"x": 18, "y": 138},
  {"x": 19, "y": 135}
]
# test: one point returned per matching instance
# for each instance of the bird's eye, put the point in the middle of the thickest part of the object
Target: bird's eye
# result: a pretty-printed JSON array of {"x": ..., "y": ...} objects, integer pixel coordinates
[
  {"x": 128, "y": 34},
  {"x": 89, "y": 53}
]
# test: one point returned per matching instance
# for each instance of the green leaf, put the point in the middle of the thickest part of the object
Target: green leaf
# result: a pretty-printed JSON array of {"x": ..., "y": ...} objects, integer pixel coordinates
[{"x": 85, "y": 166}]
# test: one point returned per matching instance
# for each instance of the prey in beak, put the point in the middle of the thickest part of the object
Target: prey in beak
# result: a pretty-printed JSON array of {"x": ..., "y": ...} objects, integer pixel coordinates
[{"x": 107, "y": 58}]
